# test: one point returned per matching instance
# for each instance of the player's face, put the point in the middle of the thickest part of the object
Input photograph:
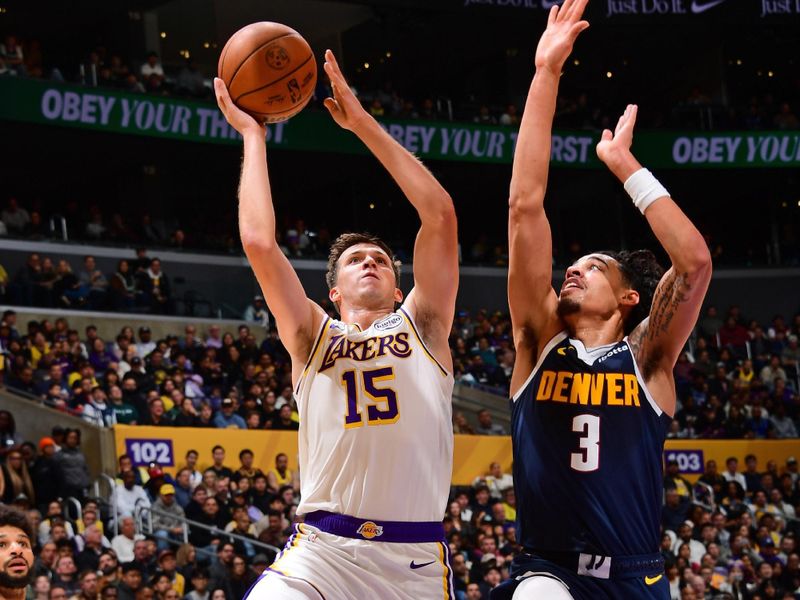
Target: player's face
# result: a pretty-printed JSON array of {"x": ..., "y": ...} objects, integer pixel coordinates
[
  {"x": 16, "y": 557},
  {"x": 365, "y": 278},
  {"x": 593, "y": 285}
]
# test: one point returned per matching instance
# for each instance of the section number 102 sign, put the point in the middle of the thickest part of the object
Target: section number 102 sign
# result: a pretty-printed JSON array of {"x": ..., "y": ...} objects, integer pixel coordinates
[{"x": 144, "y": 452}]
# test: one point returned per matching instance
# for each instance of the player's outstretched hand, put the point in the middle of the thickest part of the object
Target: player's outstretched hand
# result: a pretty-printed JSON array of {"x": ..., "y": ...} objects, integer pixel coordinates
[
  {"x": 613, "y": 145},
  {"x": 564, "y": 24},
  {"x": 239, "y": 120},
  {"x": 344, "y": 107}
]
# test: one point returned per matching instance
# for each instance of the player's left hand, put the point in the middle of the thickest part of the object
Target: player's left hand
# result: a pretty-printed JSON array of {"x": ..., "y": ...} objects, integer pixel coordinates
[
  {"x": 344, "y": 107},
  {"x": 613, "y": 145},
  {"x": 564, "y": 24}
]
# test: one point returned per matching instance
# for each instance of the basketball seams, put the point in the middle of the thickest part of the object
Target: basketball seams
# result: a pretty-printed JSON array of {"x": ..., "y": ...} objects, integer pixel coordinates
[
  {"x": 289, "y": 74},
  {"x": 257, "y": 49}
]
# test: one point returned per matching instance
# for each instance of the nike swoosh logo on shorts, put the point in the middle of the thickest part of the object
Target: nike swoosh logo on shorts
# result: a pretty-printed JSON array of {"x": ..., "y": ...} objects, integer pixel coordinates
[
  {"x": 414, "y": 565},
  {"x": 698, "y": 7},
  {"x": 652, "y": 580}
]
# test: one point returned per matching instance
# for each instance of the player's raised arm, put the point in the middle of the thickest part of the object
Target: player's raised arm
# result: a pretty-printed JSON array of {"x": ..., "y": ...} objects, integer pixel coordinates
[
  {"x": 530, "y": 292},
  {"x": 436, "y": 249},
  {"x": 296, "y": 316},
  {"x": 658, "y": 340}
]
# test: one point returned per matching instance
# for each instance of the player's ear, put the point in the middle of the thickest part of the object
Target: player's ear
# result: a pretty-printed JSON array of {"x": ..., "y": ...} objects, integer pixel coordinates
[
  {"x": 630, "y": 298},
  {"x": 398, "y": 295},
  {"x": 334, "y": 295}
]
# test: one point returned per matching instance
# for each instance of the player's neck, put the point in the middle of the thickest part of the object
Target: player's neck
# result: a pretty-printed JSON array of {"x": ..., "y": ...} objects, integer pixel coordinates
[
  {"x": 363, "y": 317},
  {"x": 594, "y": 330}
]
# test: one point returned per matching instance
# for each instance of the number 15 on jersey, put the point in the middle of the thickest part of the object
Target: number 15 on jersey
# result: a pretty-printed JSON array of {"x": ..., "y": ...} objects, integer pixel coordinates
[{"x": 380, "y": 402}]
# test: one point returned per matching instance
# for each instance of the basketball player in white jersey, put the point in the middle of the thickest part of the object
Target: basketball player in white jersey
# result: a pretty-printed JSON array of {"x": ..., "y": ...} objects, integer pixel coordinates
[{"x": 373, "y": 389}]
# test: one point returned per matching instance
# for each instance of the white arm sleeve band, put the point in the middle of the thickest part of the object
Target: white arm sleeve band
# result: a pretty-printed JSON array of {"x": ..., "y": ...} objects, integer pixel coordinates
[{"x": 644, "y": 189}]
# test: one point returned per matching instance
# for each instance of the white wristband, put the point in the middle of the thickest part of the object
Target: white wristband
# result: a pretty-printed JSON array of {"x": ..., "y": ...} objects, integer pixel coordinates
[{"x": 644, "y": 189}]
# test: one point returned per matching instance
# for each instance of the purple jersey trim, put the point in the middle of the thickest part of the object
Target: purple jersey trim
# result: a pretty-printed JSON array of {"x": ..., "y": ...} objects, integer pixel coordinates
[{"x": 404, "y": 532}]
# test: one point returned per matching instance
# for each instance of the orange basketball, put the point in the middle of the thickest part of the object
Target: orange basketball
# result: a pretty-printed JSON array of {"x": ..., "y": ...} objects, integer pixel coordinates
[{"x": 270, "y": 71}]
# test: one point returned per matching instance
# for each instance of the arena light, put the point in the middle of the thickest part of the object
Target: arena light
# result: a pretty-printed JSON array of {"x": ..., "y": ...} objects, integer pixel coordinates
[
  {"x": 366, "y": 65},
  {"x": 576, "y": 62},
  {"x": 163, "y": 34},
  {"x": 609, "y": 74},
  {"x": 206, "y": 45},
  {"x": 371, "y": 205},
  {"x": 770, "y": 73},
  {"x": 388, "y": 54},
  {"x": 739, "y": 62}
]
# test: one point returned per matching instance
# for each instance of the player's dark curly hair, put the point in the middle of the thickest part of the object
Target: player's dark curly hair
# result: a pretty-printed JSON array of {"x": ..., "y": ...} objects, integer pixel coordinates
[
  {"x": 14, "y": 517},
  {"x": 641, "y": 272},
  {"x": 344, "y": 241}
]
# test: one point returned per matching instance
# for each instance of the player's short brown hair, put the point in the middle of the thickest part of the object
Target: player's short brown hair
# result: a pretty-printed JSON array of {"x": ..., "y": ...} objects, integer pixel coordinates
[
  {"x": 13, "y": 517},
  {"x": 344, "y": 241}
]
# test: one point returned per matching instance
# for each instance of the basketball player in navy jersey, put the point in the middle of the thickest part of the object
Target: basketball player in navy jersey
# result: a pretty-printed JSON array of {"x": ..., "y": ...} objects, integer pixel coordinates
[{"x": 592, "y": 389}]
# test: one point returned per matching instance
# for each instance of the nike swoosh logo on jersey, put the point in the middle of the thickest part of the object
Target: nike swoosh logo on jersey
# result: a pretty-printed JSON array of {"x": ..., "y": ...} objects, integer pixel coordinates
[
  {"x": 652, "y": 580},
  {"x": 699, "y": 7},
  {"x": 414, "y": 565}
]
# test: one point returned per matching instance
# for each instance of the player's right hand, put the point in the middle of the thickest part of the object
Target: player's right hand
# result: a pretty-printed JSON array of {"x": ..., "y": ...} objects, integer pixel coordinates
[
  {"x": 564, "y": 24},
  {"x": 239, "y": 120}
]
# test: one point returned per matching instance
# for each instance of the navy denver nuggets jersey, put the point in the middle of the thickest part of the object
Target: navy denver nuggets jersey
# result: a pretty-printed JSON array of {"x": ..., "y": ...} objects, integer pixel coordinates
[{"x": 588, "y": 440}]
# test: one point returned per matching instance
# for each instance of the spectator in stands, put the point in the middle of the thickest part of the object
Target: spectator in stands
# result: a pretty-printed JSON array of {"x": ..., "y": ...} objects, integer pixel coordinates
[
  {"x": 168, "y": 565},
  {"x": 155, "y": 287},
  {"x": 92, "y": 278},
  {"x": 485, "y": 425},
  {"x": 97, "y": 411},
  {"x": 15, "y": 217},
  {"x": 257, "y": 312},
  {"x": 73, "y": 467},
  {"x": 282, "y": 475},
  {"x": 46, "y": 475},
  {"x": 758, "y": 426},
  {"x": 89, "y": 557},
  {"x": 122, "y": 287},
  {"x": 782, "y": 426},
  {"x": 156, "y": 415},
  {"x": 65, "y": 574},
  {"x": 146, "y": 345},
  {"x": 200, "y": 581},
  {"x": 495, "y": 480},
  {"x": 15, "y": 479},
  {"x": 129, "y": 495},
  {"x": 772, "y": 372},
  {"x": 203, "y": 539},
  {"x": 226, "y": 418},
  {"x": 285, "y": 422},
  {"x": 167, "y": 517},
  {"x": 123, "y": 542},
  {"x": 731, "y": 472},
  {"x": 190, "y": 80},
  {"x": 510, "y": 118},
  {"x": 131, "y": 581},
  {"x": 152, "y": 67}
]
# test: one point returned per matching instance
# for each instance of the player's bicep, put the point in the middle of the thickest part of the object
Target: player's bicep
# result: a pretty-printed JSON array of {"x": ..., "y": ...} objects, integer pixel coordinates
[
  {"x": 676, "y": 306},
  {"x": 531, "y": 298},
  {"x": 296, "y": 317}
]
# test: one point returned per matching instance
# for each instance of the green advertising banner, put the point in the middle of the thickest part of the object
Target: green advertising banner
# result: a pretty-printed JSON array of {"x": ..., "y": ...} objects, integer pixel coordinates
[{"x": 108, "y": 110}]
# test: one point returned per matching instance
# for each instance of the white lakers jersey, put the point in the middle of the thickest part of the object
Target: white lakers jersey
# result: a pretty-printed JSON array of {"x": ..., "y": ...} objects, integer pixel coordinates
[{"x": 376, "y": 435}]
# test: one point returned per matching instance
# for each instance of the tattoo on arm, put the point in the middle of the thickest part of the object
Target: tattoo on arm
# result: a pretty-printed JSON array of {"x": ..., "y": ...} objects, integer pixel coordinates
[{"x": 673, "y": 291}]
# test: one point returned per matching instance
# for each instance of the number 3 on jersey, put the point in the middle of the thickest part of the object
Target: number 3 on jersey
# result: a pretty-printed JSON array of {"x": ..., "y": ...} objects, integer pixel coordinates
[
  {"x": 588, "y": 459},
  {"x": 381, "y": 402}
]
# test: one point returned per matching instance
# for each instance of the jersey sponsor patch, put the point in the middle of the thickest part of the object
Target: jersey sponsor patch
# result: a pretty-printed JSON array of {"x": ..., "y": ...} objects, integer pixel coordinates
[
  {"x": 369, "y": 530},
  {"x": 390, "y": 322}
]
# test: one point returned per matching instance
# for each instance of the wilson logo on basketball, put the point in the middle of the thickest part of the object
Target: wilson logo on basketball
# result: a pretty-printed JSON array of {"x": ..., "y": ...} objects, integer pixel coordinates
[
  {"x": 369, "y": 530},
  {"x": 277, "y": 57}
]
